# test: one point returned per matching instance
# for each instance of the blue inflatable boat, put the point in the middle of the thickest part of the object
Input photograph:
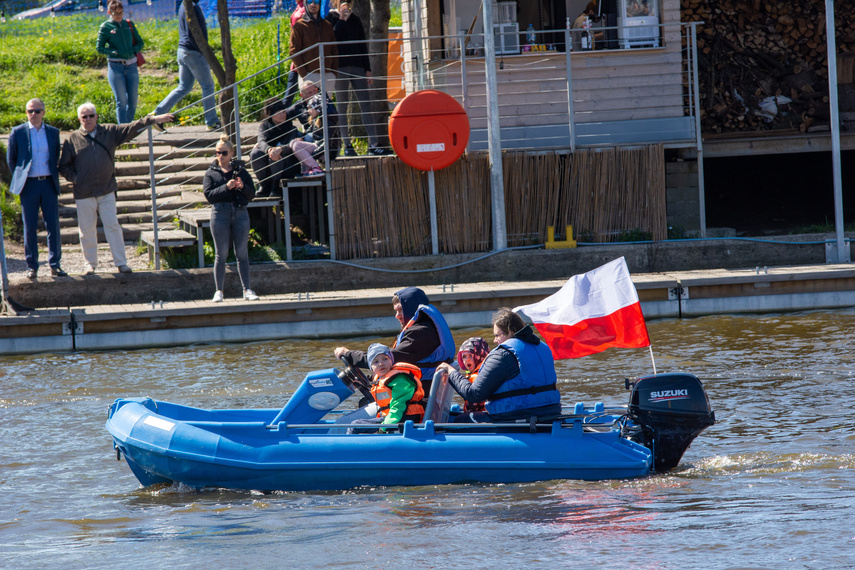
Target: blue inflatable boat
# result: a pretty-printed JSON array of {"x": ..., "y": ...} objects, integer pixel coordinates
[{"x": 302, "y": 448}]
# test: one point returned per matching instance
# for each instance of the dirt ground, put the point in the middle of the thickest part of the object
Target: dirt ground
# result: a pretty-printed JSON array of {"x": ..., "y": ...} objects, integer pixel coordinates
[{"x": 72, "y": 259}]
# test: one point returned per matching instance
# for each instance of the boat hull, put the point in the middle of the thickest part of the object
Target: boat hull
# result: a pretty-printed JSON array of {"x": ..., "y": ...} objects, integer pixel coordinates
[{"x": 239, "y": 449}]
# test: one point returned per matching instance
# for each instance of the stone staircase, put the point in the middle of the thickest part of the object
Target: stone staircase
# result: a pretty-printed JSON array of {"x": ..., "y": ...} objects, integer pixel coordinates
[{"x": 182, "y": 154}]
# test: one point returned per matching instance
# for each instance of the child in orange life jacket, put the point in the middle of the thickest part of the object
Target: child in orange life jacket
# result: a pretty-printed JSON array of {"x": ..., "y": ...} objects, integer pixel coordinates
[
  {"x": 471, "y": 355},
  {"x": 396, "y": 388}
]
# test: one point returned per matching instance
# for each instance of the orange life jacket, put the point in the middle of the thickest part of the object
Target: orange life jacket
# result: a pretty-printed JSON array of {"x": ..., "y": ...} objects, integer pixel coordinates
[
  {"x": 474, "y": 406},
  {"x": 383, "y": 394},
  {"x": 471, "y": 376}
]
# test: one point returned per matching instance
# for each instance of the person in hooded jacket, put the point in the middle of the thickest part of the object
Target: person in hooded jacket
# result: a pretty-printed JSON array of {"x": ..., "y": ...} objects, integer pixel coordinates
[
  {"x": 517, "y": 379},
  {"x": 306, "y": 36},
  {"x": 271, "y": 158},
  {"x": 425, "y": 339},
  {"x": 293, "y": 76}
]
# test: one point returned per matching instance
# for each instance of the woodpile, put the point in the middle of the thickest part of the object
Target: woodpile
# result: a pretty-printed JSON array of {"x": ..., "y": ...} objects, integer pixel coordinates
[{"x": 754, "y": 53}]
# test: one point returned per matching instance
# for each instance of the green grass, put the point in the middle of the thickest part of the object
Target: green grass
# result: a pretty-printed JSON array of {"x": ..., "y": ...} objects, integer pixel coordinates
[
  {"x": 827, "y": 227},
  {"x": 55, "y": 59}
]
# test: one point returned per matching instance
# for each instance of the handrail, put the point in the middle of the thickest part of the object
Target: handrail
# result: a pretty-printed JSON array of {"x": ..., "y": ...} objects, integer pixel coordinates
[
  {"x": 457, "y": 76},
  {"x": 462, "y": 426}
]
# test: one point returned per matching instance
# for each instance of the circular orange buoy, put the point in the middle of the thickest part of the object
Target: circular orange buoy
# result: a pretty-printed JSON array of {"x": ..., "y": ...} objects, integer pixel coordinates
[{"x": 429, "y": 130}]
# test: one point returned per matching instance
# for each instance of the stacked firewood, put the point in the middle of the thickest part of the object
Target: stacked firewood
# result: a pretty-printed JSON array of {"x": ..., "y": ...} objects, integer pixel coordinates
[{"x": 763, "y": 63}]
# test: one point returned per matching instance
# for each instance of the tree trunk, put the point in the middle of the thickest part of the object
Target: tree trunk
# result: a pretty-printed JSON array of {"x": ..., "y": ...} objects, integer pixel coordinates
[
  {"x": 362, "y": 8},
  {"x": 227, "y": 104},
  {"x": 378, "y": 54}
]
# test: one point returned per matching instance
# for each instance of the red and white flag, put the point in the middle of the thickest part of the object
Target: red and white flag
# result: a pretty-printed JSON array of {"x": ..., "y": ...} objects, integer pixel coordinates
[{"x": 590, "y": 313}]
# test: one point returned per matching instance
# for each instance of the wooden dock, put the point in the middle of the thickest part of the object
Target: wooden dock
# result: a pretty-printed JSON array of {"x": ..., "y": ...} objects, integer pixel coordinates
[{"x": 368, "y": 311}]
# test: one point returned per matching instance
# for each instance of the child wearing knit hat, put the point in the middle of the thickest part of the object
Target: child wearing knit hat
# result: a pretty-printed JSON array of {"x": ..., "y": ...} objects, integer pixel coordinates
[{"x": 396, "y": 388}]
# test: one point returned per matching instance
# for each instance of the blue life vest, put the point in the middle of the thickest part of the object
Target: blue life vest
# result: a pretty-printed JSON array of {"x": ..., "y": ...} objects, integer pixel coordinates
[
  {"x": 533, "y": 387},
  {"x": 446, "y": 349}
]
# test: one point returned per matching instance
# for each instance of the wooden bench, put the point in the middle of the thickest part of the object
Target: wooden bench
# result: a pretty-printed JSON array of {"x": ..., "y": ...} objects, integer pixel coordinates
[
  {"x": 166, "y": 238},
  {"x": 198, "y": 219}
]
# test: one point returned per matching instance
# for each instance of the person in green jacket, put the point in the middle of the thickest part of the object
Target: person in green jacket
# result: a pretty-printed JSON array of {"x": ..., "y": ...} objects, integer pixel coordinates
[
  {"x": 119, "y": 40},
  {"x": 396, "y": 388}
]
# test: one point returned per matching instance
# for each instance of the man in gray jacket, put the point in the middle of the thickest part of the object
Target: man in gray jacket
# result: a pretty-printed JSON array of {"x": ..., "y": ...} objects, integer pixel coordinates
[{"x": 88, "y": 162}]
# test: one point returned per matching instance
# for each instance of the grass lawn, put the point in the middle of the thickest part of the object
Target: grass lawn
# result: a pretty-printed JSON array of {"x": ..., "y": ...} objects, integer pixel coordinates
[{"x": 55, "y": 59}]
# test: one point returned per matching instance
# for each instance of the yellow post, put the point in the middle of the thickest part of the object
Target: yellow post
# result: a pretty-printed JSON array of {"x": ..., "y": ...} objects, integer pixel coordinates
[{"x": 567, "y": 243}]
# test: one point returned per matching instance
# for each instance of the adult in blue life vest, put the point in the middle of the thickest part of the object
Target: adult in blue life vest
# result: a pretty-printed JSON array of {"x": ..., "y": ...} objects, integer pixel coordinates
[
  {"x": 33, "y": 155},
  {"x": 517, "y": 379},
  {"x": 425, "y": 339}
]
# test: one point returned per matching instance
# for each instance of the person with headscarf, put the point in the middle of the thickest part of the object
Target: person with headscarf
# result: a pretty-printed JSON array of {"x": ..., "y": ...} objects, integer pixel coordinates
[
  {"x": 517, "y": 379},
  {"x": 470, "y": 357}
]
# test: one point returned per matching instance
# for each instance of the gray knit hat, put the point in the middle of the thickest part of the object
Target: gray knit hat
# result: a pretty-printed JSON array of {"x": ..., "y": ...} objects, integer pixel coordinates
[{"x": 377, "y": 349}]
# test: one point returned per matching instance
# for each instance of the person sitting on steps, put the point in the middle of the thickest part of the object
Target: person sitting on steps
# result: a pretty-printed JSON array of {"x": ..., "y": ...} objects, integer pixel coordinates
[
  {"x": 307, "y": 147},
  {"x": 272, "y": 159}
]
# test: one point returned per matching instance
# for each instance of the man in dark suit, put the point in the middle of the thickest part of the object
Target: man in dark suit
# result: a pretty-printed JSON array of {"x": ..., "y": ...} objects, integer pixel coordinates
[{"x": 33, "y": 155}]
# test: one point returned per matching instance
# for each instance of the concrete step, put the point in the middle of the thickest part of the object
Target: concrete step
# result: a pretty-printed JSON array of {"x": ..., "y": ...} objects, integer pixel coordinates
[
  {"x": 70, "y": 236},
  {"x": 163, "y": 182},
  {"x": 140, "y": 194},
  {"x": 197, "y": 195},
  {"x": 194, "y": 137},
  {"x": 164, "y": 152},
  {"x": 141, "y": 169}
]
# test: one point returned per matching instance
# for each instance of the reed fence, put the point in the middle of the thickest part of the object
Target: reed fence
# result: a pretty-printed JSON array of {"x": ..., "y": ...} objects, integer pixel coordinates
[{"x": 382, "y": 205}]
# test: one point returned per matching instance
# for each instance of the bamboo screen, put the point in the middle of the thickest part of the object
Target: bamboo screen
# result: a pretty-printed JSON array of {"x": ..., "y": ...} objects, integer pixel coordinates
[{"x": 382, "y": 205}]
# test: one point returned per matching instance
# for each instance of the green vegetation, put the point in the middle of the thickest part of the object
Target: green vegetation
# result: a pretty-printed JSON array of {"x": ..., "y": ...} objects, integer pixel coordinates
[
  {"x": 678, "y": 232},
  {"x": 55, "y": 59},
  {"x": 826, "y": 227},
  {"x": 10, "y": 210},
  {"x": 634, "y": 235}
]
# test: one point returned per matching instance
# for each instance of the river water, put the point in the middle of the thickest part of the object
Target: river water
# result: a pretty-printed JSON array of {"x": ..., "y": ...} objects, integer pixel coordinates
[{"x": 771, "y": 485}]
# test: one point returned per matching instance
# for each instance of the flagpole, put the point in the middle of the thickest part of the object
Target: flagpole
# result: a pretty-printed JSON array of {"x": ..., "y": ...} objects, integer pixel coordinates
[{"x": 650, "y": 347}]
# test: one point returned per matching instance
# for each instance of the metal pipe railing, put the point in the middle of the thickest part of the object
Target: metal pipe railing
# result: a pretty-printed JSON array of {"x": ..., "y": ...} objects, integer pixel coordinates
[{"x": 464, "y": 77}]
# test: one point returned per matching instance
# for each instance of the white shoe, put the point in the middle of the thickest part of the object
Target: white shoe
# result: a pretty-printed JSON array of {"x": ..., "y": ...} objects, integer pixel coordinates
[
  {"x": 88, "y": 270},
  {"x": 250, "y": 295},
  {"x": 218, "y": 297}
]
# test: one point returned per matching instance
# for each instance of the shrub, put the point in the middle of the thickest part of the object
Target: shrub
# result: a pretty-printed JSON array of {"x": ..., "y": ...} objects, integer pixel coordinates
[{"x": 10, "y": 209}]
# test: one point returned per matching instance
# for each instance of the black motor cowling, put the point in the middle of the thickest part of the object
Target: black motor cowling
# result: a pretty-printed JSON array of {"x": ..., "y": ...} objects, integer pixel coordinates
[{"x": 672, "y": 409}]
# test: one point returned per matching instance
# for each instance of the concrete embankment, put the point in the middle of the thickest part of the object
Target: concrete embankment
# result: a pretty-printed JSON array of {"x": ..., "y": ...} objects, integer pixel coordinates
[
  {"x": 323, "y": 299},
  {"x": 318, "y": 276}
]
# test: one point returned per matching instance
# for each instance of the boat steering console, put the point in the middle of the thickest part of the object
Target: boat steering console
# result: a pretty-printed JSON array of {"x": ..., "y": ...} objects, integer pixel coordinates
[{"x": 353, "y": 375}]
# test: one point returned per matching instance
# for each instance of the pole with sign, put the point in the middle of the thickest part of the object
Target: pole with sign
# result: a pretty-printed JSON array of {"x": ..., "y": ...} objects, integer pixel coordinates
[{"x": 429, "y": 130}]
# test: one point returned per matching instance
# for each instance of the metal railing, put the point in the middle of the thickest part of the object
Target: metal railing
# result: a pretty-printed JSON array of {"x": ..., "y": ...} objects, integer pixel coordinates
[{"x": 547, "y": 100}]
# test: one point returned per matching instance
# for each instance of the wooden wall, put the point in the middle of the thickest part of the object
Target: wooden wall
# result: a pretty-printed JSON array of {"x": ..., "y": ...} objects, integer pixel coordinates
[
  {"x": 382, "y": 205},
  {"x": 609, "y": 85}
]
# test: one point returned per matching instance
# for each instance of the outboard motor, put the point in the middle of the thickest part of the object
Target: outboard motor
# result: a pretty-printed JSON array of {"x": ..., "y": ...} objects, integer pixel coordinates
[{"x": 670, "y": 410}]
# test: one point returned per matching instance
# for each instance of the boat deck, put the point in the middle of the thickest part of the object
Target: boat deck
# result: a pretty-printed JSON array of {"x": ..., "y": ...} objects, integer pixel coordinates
[{"x": 368, "y": 311}]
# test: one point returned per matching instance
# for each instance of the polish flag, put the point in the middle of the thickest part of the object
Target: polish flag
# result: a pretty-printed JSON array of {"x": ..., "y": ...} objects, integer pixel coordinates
[{"x": 590, "y": 313}]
